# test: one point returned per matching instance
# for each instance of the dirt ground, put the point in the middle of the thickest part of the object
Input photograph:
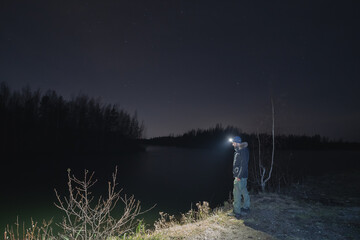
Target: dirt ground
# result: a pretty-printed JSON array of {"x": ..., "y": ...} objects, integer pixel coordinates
[
  {"x": 325, "y": 207},
  {"x": 285, "y": 218}
]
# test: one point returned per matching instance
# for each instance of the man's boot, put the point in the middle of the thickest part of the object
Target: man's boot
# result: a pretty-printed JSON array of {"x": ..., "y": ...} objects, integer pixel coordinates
[{"x": 245, "y": 210}]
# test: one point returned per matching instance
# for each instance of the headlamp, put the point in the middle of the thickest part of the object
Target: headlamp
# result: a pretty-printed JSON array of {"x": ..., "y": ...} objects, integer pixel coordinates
[{"x": 230, "y": 140}]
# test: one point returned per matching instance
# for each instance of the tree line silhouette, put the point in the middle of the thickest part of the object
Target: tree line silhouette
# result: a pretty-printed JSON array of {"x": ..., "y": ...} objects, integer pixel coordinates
[
  {"x": 198, "y": 138},
  {"x": 32, "y": 121},
  {"x": 216, "y": 136}
]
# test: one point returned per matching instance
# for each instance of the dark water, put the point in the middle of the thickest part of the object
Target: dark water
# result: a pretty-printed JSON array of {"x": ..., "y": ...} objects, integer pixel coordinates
[{"x": 172, "y": 178}]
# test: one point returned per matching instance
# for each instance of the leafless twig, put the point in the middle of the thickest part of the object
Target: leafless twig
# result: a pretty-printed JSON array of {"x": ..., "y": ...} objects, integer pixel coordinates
[{"x": 86, "y": 220}]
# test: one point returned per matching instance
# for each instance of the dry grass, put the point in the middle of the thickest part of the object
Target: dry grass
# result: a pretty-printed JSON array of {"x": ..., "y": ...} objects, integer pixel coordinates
[
  {"x": 33, "y": 232},
  {"x": 166, "y": 221},
  {"x": 216, "y": 226},
  {"x": 204, "y": 223}
]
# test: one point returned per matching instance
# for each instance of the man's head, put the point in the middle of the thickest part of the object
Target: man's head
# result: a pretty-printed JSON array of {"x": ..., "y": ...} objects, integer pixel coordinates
[{"x": 236, "y": 141}]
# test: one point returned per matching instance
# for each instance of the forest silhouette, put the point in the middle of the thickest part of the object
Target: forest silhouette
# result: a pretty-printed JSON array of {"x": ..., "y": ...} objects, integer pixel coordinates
[
  {"x": 215, "y": 137},
  {"x": 33, "y": 122}
]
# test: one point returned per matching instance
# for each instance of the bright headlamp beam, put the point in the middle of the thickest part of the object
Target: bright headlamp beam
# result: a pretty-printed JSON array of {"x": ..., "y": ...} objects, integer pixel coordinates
[{"x": 230, "y": 140}]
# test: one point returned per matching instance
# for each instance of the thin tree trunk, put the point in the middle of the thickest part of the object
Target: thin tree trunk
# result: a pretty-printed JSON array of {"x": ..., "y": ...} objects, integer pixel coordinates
[
  {"x": 263, "y": 169},
  {"x": 273, "y": 139}
]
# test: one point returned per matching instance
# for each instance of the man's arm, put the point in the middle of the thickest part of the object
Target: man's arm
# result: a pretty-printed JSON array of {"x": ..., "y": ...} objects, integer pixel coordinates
[{"x": 239, "y": 166}]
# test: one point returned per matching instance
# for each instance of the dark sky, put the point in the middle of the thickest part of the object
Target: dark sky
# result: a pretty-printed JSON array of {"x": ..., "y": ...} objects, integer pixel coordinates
[{"x": 192, "y": 64}]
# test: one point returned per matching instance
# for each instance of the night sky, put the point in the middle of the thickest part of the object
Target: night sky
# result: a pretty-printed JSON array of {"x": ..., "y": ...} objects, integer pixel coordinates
[{"x": 192, "y": 64}]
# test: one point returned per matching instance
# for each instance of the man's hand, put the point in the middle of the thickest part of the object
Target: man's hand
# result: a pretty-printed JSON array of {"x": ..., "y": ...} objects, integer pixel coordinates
[{"x": 238, "y": 179}]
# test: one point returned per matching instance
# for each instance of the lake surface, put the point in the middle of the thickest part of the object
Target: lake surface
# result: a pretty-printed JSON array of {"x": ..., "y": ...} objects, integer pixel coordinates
[{"x": 172, "y": 178}]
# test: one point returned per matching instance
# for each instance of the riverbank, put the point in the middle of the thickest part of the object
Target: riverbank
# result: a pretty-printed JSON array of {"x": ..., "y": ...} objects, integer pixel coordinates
[
  {"x": 273, "y": 216},
  {"x": 325, "y": 208}
]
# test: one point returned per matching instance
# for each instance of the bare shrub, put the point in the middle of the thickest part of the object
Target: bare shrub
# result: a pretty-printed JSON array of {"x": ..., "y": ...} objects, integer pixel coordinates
[
  {"x": 87, "y": 220},
  {"x": 188, "y": 217},
  {"x": 166, "y": 220},
  {"x": 203, "y": 210}
]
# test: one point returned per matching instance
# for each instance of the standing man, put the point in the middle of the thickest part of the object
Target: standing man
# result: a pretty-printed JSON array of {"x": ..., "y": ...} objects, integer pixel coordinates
[{"x": 240, "y": 173}]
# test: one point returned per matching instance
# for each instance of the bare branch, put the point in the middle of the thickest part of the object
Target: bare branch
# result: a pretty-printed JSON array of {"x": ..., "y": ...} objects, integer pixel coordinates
[{"x": 88, "y": 221}]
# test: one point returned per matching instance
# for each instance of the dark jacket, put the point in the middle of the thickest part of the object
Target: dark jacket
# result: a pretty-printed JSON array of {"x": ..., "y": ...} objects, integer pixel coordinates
[{"x": 241, "y": 161}]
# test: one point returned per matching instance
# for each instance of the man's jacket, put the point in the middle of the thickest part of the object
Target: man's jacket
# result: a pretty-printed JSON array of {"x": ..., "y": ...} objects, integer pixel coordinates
[{"x": 241, "y": 161}]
